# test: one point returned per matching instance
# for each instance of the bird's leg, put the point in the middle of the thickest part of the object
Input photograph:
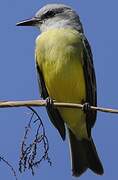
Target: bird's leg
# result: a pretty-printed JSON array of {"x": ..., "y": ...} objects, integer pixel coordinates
[
  {"x": 50, "y": 104},
  {"x": 86, "y": 107}
]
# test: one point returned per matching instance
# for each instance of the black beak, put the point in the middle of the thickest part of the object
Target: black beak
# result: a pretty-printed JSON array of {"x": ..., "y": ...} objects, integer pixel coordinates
[{"x": 29, "y": 22}]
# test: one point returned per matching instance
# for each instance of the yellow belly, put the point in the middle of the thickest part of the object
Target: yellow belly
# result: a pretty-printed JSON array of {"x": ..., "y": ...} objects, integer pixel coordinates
[{"x": 59, "y": 54}]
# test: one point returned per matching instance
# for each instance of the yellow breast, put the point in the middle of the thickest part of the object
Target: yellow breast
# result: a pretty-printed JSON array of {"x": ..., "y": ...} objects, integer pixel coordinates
[{"x": 59, "y": 54}]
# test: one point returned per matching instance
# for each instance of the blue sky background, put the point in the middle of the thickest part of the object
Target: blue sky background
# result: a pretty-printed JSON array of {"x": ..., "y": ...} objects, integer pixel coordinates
[{"x": 18, "y": 82}]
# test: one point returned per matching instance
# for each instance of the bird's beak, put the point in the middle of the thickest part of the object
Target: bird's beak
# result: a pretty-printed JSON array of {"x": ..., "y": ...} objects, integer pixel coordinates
[{"x": 29, "y": 22}]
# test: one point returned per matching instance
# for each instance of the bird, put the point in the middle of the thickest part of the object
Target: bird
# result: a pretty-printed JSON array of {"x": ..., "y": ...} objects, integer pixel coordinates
[{"x": 66, "y": 73}]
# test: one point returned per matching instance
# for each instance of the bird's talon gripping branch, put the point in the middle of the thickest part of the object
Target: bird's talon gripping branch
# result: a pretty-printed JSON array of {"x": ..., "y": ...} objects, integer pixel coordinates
[
  {"x": 86, "y": 107},
  {"x": 49, "y": 102}
]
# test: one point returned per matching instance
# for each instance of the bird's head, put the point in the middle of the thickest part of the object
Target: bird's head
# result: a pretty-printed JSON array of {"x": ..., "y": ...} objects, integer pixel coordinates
[{"x": 54, "y": 16}]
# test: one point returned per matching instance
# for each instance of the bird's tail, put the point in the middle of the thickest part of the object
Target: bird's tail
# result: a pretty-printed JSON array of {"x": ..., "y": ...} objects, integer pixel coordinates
[{"x": 84, "y": 155}]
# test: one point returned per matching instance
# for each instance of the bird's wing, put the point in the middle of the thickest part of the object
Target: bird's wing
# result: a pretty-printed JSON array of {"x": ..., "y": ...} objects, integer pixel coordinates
[
  {"x": 53, "y": 113},
  {"x": 79, "y": 149},
  {"x": 91, "y": 90}
]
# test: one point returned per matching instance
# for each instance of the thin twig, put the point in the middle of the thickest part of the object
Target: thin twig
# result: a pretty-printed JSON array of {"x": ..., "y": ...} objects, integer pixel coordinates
[
  {"x": 10, "y": 166},
  {"x": 6, "y": 104},
  {"x": 29, "y": 158}
]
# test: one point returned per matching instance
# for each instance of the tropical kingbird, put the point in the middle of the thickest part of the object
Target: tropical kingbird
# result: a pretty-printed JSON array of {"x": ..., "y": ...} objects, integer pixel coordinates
[{"x": 66, "y": 73}]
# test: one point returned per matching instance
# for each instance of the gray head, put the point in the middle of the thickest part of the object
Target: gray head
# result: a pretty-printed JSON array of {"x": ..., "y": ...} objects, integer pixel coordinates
[{"x": 54, "y": 16}]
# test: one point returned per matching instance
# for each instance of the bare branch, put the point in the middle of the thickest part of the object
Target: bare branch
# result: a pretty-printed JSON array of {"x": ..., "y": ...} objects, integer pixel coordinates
[
  {"x": 30, "y": 158},
  {"x": 10, "y": 166},
  {"x": 6, "y": 104}
]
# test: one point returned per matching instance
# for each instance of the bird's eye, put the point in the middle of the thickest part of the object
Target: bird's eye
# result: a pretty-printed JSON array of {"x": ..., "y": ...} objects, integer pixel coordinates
[{"x": 49, "y": 14}]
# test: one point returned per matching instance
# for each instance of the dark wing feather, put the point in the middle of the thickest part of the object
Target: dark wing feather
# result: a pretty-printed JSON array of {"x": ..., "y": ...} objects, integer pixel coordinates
[
  {"x": 91, "y": 90},
  {"x": 54, "y": 115},
  {"x": 83, "y": 152}
]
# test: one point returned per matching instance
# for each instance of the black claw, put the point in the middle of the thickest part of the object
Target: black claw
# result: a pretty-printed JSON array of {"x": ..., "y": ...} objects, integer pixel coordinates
[
  {"x": 86, "y": 107},
  {"x": 49, "y": 102}
]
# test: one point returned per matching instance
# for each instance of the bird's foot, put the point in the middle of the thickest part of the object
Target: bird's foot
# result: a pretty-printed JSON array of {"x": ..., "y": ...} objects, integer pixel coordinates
[
  {"x": 49, "y": 102},
  {"x": 86, "y": 107}
]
